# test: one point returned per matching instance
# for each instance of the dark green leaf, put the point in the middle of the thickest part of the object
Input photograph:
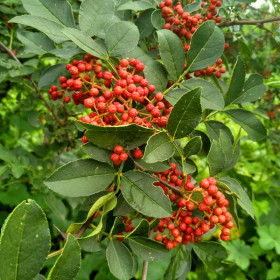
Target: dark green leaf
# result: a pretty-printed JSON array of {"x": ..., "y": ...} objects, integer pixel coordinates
[
  {"x": 192, "y": 7},
  {"x": 243, "y": 198},
  {"x": 144, "y": 24},
  {"x": 172, "y": 53},
  {"x": 50, "y": 28},
  {"x": 253, "y": 89},
  {"x": 94, "y": 14},
  {"x": 211, "y": 97},
  {"x": 24, "y": 243},
  {"x": 139, "y": 54},
  {"x": 249, "y": 122},
  {"x": 118, "y": 226},
  {"x": 120, "y": 260},
  {"x": 98, "y": 154},
  {"x": 216, "y": 158},
  {"x": 185, "y": 115},
  {"x": 50, "y": 76},
  {"x": 122, "y": 208},
  {"x": 189, "y": 166},
  {"x": 136, "y": 6},
  {"x": 81, "y": 178},
  {"x": 141, "y": 229},
  {"x": 57, "y": 11},
  {"x": 147, "y": 249},
  {"x": 84, "y": 41},
  {"x": 139, "y": 191},
  {"x": 128, "y": 136},
  {"x": 121, "y": 38},
  {"x": 68, "y": 263},
  {"x": 211, "y": 254},
  {"x": 157, "y": 19},
  {"x": 159, "y": 148},
  {"x": 236, "y": 83},
  {"x": 90, "y": 245},
  {"x": 156, "y": 75},
  {"x": 193, "y": 147},
  {"x": 156, "y": 167},
  {"x": 214, "y": 128},
  {"x": 207, "y": 45}
]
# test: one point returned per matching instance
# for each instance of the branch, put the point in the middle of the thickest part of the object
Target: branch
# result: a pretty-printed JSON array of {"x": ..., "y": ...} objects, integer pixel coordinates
[
  {"x": 12, "y": 55},
  {"x": 145, "y": 263},
  {"x": 258, "y": 22}
]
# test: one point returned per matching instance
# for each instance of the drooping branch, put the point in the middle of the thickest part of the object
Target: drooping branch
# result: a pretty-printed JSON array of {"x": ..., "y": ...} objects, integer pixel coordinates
[
  {"x": 257, "y": 22},
  {"x": 12, "y": 55}
]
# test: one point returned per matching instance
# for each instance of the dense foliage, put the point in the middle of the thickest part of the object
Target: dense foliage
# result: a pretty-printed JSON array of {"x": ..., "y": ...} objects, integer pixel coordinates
[{"x": 168, "y": 151}]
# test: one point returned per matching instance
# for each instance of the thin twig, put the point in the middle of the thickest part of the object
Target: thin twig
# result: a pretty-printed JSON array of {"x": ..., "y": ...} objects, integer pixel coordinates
[
  {"x": 62, "y": 233},
  {"x": 257, "y": 22},
  {"x": 84, "y": 227},
  {"x": 146, "y": 263},
  {"x": 12, "y": 55},
  {"x": 57, "y": 159}
]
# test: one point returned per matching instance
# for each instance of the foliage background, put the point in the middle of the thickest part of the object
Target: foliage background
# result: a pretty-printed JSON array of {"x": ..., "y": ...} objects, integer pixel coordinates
[{"x": 32, "y": 144}]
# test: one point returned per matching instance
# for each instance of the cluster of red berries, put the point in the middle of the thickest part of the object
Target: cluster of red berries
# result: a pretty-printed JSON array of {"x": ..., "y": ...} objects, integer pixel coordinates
[
  {"x": 184, "y": 24},
  {"x": 184, "y": 227},
  {"x": 217, "y": 69},
  {"x": 119, "y": 155},
  {"x": 115, "y": 98}
]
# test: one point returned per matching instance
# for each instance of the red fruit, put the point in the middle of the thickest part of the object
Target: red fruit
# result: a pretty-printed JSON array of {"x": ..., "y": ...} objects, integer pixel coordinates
[
  {"x": 77, "y": 84},
  {"x": 112, "y": 109},
  {"x": 155, "y": 112},
  {"x": 67, "y": 99},
  {"x": 208, "y": 200},
  {"x": 218, "y": 211},
  {"x": 123, "y": 156},
  {"x": 124, "y": 62},
  {"x": 118, "y": 149},
  {"x": 175, "y": 232},
  {"x": 212, "y": 181},
  {"x": 89, "y": 102},
  {"x": 212, "y": 190},
  {"x": 229, "y": 224},
  {"x": 171, "y": 226},
  {"x": 222, "y": 219},
  {"x": 132, "y": 112},
  {"x": 159, "y": 96},
  {"x": 81, "y": 67},
  {"x": 189, "y": 186},
  {"x": 151, "y": 88},
  {"x": 188, "y": 220},
  {"x": 158, "y": 237},
  {"x": 205, "y": 227},
  {"x": 224, "y": 237},
  {"x": 189, "y": 205},
  {"x": 225, "y": 231},
  {"x": 181, "y": 202},
  {"x": 84, "y": 139},
  {"x": 73, "y": 70},
  {"x": 198, "y": 232},
  {"x": 137, "y": 153},
  {"x": 93, "y": 91},
  {"x": 214, "y": 219},
  {"x": 169, "y": 245},
  {"x": 115, "y": 157},
  {"x": 202, "y": 207},
  {"x": 195, "y": 220},
  {"x": 204, "y": 183},
  {"x": 62, "y": 80}
]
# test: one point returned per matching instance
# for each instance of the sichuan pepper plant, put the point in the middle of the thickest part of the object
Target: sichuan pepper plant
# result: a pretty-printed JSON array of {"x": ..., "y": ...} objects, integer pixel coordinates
[{"x": 146, "y": 90}]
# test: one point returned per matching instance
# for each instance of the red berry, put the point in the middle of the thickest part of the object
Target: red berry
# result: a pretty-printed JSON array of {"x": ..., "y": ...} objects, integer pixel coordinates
[
  {"x": 123, "y": 156},
  {"x": 89, "y": 102},
  {"x": 204, "y": 183},
  {"x": 159, "y": 237},
  {"x": 137, "y": 153},
  {"x": 73, "y": 70},
  {"x": 169, "y": 245}
]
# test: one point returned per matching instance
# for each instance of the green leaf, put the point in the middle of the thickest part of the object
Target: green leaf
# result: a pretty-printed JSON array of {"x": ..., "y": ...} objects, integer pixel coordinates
[
  {"x": 120, "y": 260},
  {"x": 189, "y": 166},
  {"x": 81, "y": 178},
  {"x": 192, "y": 7},
  {"x": 156, "y": 167},
  {"x": 243, "y": 198},
  {"x": 139, "y": 54},
  {"x": 94, "y": 14},
  {"x": 193, "y": 147},
  {"x": 216, "y": 158},
  {"x": 90, "y": 245},
  {"x": 236, "y": 83},
  {"x": 232, "y": 208},
  {"x": 57, "y": 11},
  {"x": 118, "y": 226},
  {"x": 156, "y": 75},
  {"x": 89, "y": 207},
  {"x": 226, "y": 145},
  {"x": 122, "y": 208},
  {"x": 239, "y": 253},
  {"x": 68, "y": 263},
  {"x": 128, "y": 136},
  {"x": 24, "y": 243},
  {"x": 211, "y": 254},
  {"x": 142, "y": 229},
  {"x": 206, "y": 144},
  {"x": 211, "y": 97},
  {"x": 157, "y": 19},
  {"x": 121, "y": 38},
  {"x": 214, "y": 128},
  {"x": 98, "y": 154},
  {"x": 172, "y": 53},
  {"x": 253, "y": 89},
  {"x": 269, "y": 237},
  {"x": 139, "y": 191},
  {"x": 39, "y": 277},
  {"x": 51, "y": 75},
  {"x": 136, "y": 6},
  {"x": 148, "y": 249},
  {"x": 274, "y": 271},
  {"x": 84, "y": 41},
  {"x": 144, "y": 24},
  {"x": 159, "y": 148},
  {"x": 35, "y": 42},
  {"x": 50, "y": 28},
  {"x": 207, "y": 45},
  {"x": 180, "y": 264},
  {"x": 185, "y": 115},
  {"x": 251, "y": 124}
]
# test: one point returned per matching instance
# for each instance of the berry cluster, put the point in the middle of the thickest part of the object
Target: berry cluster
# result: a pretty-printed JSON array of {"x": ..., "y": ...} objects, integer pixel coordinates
[
  {"x": 117, "y": 97},
  {"x": 218, "y": 69},
  {"x": 184, "y": 226},
  {"x": 119, "y": 155},
  {"x": 184, "y": 24}
]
